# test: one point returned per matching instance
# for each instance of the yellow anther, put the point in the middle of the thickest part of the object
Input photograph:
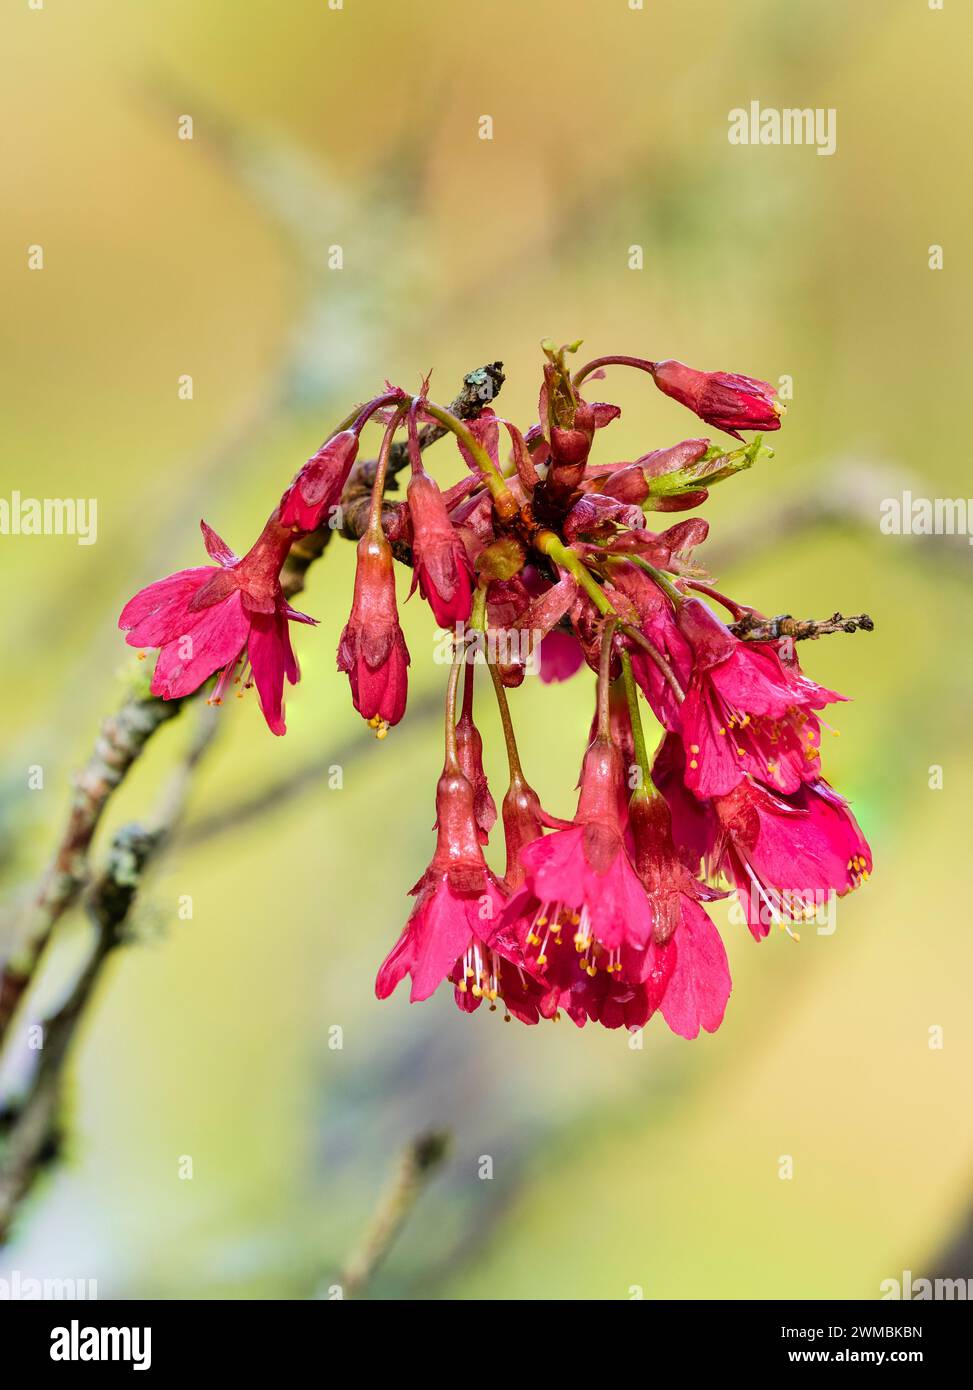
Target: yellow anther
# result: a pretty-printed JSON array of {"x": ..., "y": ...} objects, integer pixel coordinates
[{"x": 694, "y": 763}]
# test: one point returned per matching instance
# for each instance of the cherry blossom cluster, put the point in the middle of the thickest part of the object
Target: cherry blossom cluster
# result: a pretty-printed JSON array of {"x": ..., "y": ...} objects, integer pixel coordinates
[{"x": 603, "y": 916}]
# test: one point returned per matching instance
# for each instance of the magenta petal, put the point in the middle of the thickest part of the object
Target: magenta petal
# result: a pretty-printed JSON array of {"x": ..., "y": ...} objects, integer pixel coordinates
[
  {"x": 557, "y": 864},
  {"x": 297, "y": 617},
  {"x": 191, "y": 658},
  {"x": 618, "y": 905},
  {"x": 442, "y": 936},
  {"x": 216, "y": 546},
  {"x": 561, "y": 656},
  {"x": 397, "y": 963},
  {"x": 158, "y": 613},
  {"x": 270, "y": 655},
  {"x": 699, "y": 988}
]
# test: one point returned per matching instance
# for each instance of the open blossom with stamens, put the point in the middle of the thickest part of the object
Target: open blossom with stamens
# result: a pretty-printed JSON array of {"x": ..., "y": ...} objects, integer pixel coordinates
[
  {"x": 549, "y": 937},
  {"x": 372, "y": 650},
  {"x": 784, "y": 855},
  {"x": 452, "y": 931},
  {"x": 744, "y": 712},
  {"x": 219, "y": 618},
  {"x": 582, "y": 908},
  {"x": 725, "y": 399}
]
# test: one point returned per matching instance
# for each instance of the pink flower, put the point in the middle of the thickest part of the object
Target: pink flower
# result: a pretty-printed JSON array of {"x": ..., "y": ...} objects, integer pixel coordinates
[
  {"x": 785, "y": 855},
  {"x": 319, "y": 485},
  {"x": 216, "y": 618},
  {"x": 589, "y": 991},
  {"x": 724, "y": 399},
  {"x": 452, "y": 931},
  {"x": 442, "y": 569},
  {"x": 580, "y": 879},
  {"x": 698, "y": 985},
  {"x": 744, "y": 712},
  {"x": 372, "y": 650}
]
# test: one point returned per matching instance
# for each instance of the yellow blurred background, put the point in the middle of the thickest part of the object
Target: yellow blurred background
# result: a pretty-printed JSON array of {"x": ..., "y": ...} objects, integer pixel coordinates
[{"x": 358, "y": 127}]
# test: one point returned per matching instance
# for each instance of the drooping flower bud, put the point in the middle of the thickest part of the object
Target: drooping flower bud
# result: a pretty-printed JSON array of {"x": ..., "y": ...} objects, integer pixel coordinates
[
  {"x": 320, "y": 483},
  {"x": 442, "y": 569},
  {"x": 372, "y": 650},
  {"x": 725, "y": 399},
  {"x": 469, "y": 752}
]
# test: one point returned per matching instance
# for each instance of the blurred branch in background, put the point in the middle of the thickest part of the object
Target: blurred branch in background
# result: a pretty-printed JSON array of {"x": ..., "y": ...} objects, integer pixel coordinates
[
  {"x": 122, "y": 738},
  {"x": 418, "y": 1163},
  {"x": 342, "y": 321},
  {"x": 423, "y": 709},
  {"x": 29, "y": 1135},
  {"x": 850, "y": 496}
]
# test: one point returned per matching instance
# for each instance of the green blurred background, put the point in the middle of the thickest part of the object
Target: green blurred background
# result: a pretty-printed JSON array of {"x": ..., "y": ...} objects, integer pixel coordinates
[{"x": 358, "y": 127}]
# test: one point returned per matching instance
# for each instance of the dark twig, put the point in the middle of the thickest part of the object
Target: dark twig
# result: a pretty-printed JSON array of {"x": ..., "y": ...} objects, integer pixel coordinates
[
  {"x": 479, "y": 389},
  {"x": 415, "y": 1167},
  {"x": 122, "y": 738},
  {"x": 758, "y": 629}
]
